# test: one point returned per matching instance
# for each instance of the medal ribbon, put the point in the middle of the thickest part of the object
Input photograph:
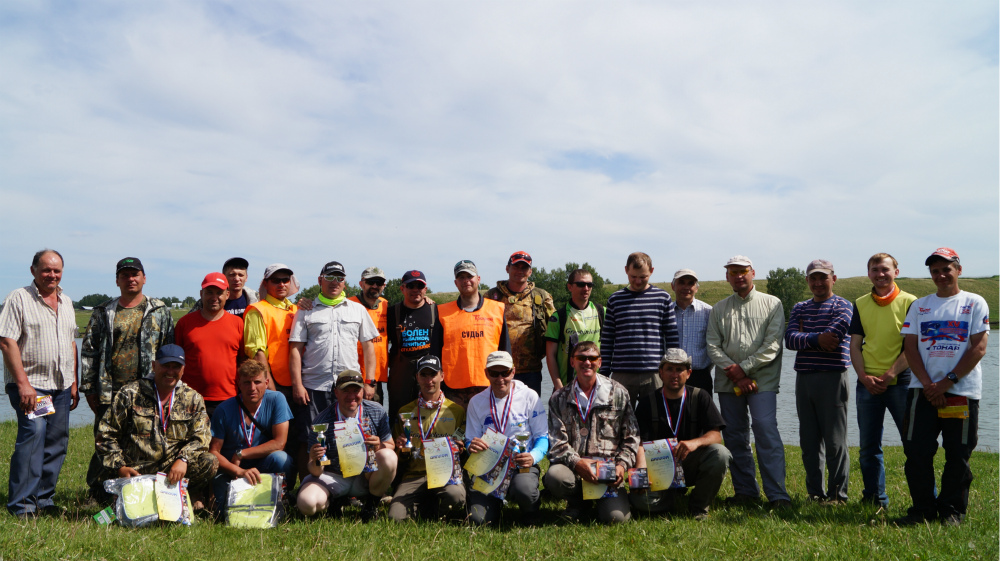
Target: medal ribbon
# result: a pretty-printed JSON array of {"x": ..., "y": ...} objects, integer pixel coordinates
[
  {"x": 680, "y": 411},
  {"x": 361, "y": 426},
  {"x": 165, "y": 418},
  {"x": 248, "y": 431},
  {"x": 590, "y": 402},
  {"x": 502, "y": 429},
  {"x": 430, "y": 427}
]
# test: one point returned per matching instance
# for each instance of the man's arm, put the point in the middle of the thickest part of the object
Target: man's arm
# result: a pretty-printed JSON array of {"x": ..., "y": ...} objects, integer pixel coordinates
[
  {"x": 795, "y": 338},
  {"x": 12, "y": 359},
  {"x": 109, "y": 427},
  {"x": 91, "y": 358},
  {"x": 897, "y": 367},
  {"x": 201, "y": 433},
  {"x": 874, "y": 385},
  {"x": 299, "y": 393},
  {"x": 685, "y": 447},
  {"x": 560, "y": 451},
  {"x": 74, "y": 390},
  {"x": 607, "y": 339},
  {"x": 714, "y": 337},
  {"x": 771, "y": 345},
  {"x": 371, "y": 363},
  {"x": 970, "y": 358},
  {"x": 668, "y": 326}
]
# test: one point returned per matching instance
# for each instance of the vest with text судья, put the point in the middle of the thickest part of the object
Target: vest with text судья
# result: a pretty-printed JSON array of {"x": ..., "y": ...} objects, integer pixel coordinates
[{"x": 469, "y": 337}]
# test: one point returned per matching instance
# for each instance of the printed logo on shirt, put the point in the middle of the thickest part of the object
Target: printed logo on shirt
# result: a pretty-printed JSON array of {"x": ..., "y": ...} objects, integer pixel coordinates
[
  {"x": 965, "y": 309},
  {"x": 923, "y": 310},
  {"x": 945, "y": 336},
  {"x": 986, "y": 320}
]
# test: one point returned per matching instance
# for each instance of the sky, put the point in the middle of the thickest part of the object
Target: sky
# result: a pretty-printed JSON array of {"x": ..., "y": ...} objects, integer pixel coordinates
[{"x": 414, "y": 135}]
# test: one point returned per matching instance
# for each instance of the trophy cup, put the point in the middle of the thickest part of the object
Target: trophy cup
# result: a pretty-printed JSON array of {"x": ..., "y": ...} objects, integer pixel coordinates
[
  {"x": 408, "y": 445},
  {"x": 320, "y": 431},
  {"x": 522, "y": 446}
]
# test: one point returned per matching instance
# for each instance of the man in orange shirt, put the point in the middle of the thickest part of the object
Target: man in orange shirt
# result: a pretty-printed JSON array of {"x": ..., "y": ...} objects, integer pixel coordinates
[
  {"x": 469, "y": 329},
  {"x": 372, "y": 284}
]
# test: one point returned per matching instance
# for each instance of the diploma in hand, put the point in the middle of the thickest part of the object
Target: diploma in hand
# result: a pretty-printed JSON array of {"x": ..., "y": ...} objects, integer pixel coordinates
[
  {"x": 351, "y": 449},
  {"x": 320, "y": 431},
  {"x": 439, "y": 460},
  {"x": 482, "y": 462},
  {"x": 659, "y": 464}
]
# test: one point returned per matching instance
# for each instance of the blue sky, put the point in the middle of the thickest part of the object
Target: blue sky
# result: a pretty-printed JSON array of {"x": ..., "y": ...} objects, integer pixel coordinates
[{"x": 416, "y": 135}]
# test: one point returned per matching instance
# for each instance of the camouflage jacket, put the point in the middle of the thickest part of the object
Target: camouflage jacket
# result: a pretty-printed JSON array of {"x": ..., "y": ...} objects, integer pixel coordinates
[
  {"x": 251, "y": 298},
  {"x": 157, "y": 330},
  {"x": 612, "y": 431},
  {"x": 131, "y": 434},
  {"x": 527, "y": 314}
]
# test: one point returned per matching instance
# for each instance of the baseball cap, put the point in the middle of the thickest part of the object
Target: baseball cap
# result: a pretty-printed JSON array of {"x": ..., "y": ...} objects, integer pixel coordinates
[
  {"x": 414, "y": 275},
  {"x": 349, "y": 378},
  {"x": 129, "y": 263},
  {"x": 236, "y": 263},
  {"x": 946, "y": 253},
  {"x": 466, "y": 266},
  {"x": 429, "y": 362},
  {"x": 819, "y": 266},
  {"x": 685, "y": 273},
  {"x": 499, "y": 358},
  {"x": 739, "y": 261},
  {"x": 676, "y": 356},
  {"x": 217, "y": 280},
  {"x": 519, "y": 257},
  {"x": 333, "y": 268},
  {"x": 170, "y": 353},
  {"x": 373, "y": 273},
  {"x": 274, "y": 268}
]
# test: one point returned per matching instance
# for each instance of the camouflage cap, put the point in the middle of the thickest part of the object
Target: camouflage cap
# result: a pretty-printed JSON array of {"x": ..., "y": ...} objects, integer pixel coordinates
[{"x": 676, "y": 356}]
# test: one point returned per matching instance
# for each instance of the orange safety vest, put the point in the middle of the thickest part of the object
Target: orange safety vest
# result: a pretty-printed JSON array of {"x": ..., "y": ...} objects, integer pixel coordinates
[
  {"x": 469, "y": 337},
  {"x": 379, "y": 318},
  {"x": 278, "y": 324}
]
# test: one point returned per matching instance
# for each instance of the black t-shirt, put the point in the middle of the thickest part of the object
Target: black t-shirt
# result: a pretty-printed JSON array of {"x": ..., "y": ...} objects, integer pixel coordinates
[
  {"x": 237, "y": 306},
  {"x": 411, "y": 333},
  {"x": 700, "y": 416}
]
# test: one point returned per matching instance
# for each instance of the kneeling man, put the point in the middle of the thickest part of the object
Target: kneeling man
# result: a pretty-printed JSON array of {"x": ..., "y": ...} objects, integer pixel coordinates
[
  {"x": 591, "y": 419},
  {"x": 158, "y": 425},
  {"x": 249, "y": 432},
  {"x": 327, "y": 482},
  {"x": 688, "y": 415}
]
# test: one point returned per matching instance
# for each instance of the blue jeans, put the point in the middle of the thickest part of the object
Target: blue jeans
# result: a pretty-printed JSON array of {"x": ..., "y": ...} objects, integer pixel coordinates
[
  {"x": 763, "y": 419},
  {"x": 38, "y": 455},
  {"x": 275, "y": 462},
  {"x": 871, "y": 414}
]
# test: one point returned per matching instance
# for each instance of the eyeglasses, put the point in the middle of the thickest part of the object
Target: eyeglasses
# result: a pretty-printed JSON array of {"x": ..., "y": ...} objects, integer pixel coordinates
[
  {"x": 739, "y": 272},
  {"x": 587, "y": 358},
  {"x": 580, "y": 284},
  {"x": 282, "y": 280},
  {"x": 415, "y": 285},
  {"x": 498, "y": 373},
  {"x": 376, "y": 282},
  {"x": 334, "y": 278}
]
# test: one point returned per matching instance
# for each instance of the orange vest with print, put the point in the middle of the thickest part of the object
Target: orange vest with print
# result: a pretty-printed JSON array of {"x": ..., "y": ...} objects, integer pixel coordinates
[
  {"x": 469, "y": 337},
  {"x": 379, "y": 318},
  {"x": 278, "y": 324}
]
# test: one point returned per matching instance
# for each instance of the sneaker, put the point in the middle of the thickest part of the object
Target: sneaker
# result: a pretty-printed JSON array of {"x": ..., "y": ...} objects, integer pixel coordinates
[
  {"x": 873, "y": 500},
  {"x": 910, "y": 520},
  {"x": 952, "y": 520},
  {"x": 834, "y": 502},
  {"x": 701, "y": 516},
  {"x": 739, "y": 500},
  {"x": 369, "y": 508},
  {"x": 816, "y": 498}
]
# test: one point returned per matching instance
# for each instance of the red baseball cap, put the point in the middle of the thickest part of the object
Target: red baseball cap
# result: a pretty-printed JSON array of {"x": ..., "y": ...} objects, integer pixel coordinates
[
  {"x": 217, "y": 280},
  {"x": 519, "y": 257},
  {"x": 946, "y": 253}
]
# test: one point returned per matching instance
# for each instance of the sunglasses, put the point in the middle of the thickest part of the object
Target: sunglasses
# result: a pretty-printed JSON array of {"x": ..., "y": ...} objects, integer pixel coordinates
[
  {"x": 415, "y": 285},
  {"x": 376, "y": 282},
  {"x": 498, "y": 373},
  {"x": 580, "y": 284},
  {"x": 586, "y": 358},
  {"x": 738, "y": 272},
  {"x": 334, "y": 278},
  {"x": 282, "y": 280}
]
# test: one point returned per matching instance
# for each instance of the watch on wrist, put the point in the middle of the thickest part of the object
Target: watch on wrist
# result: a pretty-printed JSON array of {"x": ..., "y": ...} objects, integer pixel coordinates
[
  {"x": 239, "y": 454},
  {"x": 952, "y": 377},
  {"x": 183, "y": 459}
]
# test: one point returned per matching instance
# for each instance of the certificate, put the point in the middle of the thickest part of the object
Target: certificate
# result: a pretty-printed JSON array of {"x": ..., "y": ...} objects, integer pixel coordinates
[
  {"x": 351, "y": 449},
  {"x": 482, "y": 462},
  {"x": 440, "y": 461},
  {"x": 659, "y": 464}
]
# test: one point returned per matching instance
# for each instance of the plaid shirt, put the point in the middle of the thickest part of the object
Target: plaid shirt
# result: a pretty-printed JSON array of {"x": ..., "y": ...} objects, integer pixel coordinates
[
  {"x": 692, "y": 322},
  {"x": 45, "y": 338},
  {"x": 612, "y": 431}
]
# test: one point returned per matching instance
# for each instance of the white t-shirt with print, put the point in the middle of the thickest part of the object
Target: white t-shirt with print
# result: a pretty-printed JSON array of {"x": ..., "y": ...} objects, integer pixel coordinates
[{"x": 944, "y": 327}]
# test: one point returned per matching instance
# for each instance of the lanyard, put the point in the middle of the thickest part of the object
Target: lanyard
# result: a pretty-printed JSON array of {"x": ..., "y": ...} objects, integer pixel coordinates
[
  {"x": 248, "y": 430},
  {"x": 361, "y": 427},
  {"x": 165, "y": 417},
  {"x": 680, "y": 411},
  {"x": 590, "y": 401},
  {"x": 430, "y": 427},
  {"x": 502, "y": 429}
]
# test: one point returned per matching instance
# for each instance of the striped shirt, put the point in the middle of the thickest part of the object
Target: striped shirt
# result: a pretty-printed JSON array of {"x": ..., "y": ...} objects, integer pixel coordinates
[
  {"x": 45, "y": 338},
  {"x": 639, "y": 327},
  {"x": 692, "y": 322},
  {"x": 807, "y": 321}
]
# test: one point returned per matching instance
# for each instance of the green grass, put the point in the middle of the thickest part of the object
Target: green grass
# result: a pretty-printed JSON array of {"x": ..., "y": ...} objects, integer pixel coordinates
[{"x": 805, "y": 531}]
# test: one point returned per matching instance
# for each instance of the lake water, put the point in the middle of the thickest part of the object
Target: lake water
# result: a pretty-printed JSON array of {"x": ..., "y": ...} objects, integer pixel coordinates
[{"x": 788, "y": 423}]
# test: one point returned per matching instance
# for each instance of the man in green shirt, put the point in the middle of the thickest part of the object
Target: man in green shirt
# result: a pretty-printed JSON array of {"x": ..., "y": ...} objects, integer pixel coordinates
[{"x": 580, "y": 320}]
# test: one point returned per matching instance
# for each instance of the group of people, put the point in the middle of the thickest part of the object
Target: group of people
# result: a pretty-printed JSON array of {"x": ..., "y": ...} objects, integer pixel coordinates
[{"x": 249, "y": 382}]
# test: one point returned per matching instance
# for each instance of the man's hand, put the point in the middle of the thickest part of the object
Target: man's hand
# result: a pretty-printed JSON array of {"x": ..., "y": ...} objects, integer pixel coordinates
[
  {"x": 875, "y": 386},
  {"x": 373, "y": 441},
  {"x": 619, "y": 475},
  {"x": 477, "y": 445},
  {"x": 557, "y": 385},
  {"x": 428, "y": 300},
  {"x": 684, "y": 448},
  {"x": 582, "y": 468},
  {"x": 94, "y": 401},
  {"x": 316, "y": 452},
  {"x": 299, "y": 394},
  {"x": 829, "y": 341},
  {"x": 369, "y": 391},
  {"x": 734, "y": 372},
  {"x": 74, "y": 395},
  {"x": 935, "y": 393},
  {"x": 28, "y": 395},
  {"x": 251, "y": 475},
  {"x": 126, "y": 471},
  {"x": 524, "y": 460},
  {"x": 177, "y": 471},
  {"x": 746, "y": 385},
  {"x": 305, "y": 304},
  {"x": 400, "y": 441}
]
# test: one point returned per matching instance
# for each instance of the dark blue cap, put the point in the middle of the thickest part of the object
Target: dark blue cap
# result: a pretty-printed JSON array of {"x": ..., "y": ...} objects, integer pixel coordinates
[{"x": 170, "y": 353}]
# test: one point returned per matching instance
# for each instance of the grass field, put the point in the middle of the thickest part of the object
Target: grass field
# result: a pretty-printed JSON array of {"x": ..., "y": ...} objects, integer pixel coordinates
[{"x": 804, "y": 531}]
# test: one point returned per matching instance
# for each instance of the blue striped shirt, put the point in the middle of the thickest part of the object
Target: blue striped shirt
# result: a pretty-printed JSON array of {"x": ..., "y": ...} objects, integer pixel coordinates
[
  {"x": 692, "y": 323},
  {"x": 808, "y": 320},
  {"x": 638, "y": 329}
]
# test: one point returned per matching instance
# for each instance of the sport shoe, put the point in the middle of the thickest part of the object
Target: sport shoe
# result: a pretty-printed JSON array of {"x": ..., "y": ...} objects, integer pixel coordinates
[
  {"x": 952, "y": 520},
  {"x": 369, "y": 508},
  {"x": 738, "y": 500},
  {"x": 780, "y": 504},
  {"x": 816, "y": 498},
  {"x": 833, "y": 502},
  {"x": 910, "y": 520}
]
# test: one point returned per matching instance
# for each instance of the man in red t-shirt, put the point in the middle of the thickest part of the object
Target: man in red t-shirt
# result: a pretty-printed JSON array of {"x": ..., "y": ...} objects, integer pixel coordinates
[{"x": 212, "y": 341}]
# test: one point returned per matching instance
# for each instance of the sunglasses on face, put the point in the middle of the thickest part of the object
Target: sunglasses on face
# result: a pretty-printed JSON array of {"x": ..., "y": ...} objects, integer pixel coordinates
[
  {"x": 498, "y": 373},
  {"x": 334, "y": 278},
  {"x": 376, "y": 282},
  {"x": 282, "y": 280},
  {"x": 580, "y": 284},
  {"x": 738, "y": 272},
  {"x": 414, "y": 285},
  {"x": 587, "y": 358}
]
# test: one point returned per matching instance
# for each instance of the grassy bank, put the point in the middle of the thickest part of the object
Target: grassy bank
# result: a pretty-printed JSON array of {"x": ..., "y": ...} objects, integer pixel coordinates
[{"x": 806, "y": 530}]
